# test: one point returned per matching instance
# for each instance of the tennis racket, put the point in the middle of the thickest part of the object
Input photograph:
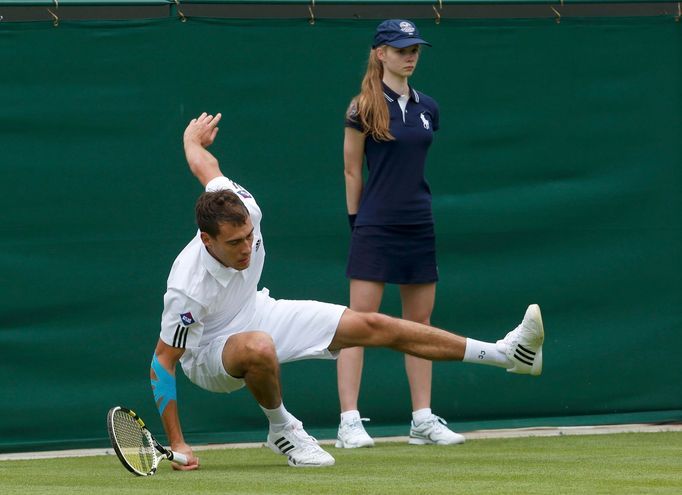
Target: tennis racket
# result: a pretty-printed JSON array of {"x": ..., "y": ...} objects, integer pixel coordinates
[{"x": 134, "y": 444}]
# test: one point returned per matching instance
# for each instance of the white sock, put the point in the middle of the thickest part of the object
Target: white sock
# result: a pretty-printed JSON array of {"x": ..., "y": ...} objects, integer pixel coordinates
[
  {"x": 421, "y": 415},
  {"x": 278, "y": 417},
  {"x": 485, "y": 353},
  {"x": 350, "y": 416}
]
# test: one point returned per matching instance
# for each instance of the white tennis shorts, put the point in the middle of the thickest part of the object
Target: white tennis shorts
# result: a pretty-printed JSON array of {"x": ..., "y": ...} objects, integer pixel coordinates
[{"x": 299, "y": 329}]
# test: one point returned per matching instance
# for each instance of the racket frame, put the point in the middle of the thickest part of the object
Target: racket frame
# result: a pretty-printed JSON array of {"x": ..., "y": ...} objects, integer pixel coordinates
[{"x": 164, "y": 452}]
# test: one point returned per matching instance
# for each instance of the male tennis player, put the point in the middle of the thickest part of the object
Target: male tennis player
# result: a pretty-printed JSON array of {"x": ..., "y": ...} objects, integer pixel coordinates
[{"x": 226, "y": 333}]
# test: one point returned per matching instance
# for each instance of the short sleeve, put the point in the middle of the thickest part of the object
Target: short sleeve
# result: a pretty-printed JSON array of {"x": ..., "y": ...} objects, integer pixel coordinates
[
  {"x": 221, "y": 183},
  {"x": 352, "y": 119},
  {"x": 436, "y": 116},
  {"x": 181, "y": 325}
]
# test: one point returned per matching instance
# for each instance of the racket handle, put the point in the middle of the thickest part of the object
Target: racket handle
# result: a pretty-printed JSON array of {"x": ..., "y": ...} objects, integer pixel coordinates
[{"x": 180, "y": 458}]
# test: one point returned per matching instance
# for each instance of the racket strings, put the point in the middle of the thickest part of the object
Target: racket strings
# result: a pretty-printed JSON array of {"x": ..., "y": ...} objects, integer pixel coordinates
[{"x": 133, "y": 442}]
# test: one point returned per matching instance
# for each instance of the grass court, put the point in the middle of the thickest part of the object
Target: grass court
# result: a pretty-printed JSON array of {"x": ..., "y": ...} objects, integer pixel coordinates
[{"x": 614, "y": 464}]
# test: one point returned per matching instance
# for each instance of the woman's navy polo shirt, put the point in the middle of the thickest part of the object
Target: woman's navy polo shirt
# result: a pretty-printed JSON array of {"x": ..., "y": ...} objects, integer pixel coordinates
[{"x": 396, "y": 191}]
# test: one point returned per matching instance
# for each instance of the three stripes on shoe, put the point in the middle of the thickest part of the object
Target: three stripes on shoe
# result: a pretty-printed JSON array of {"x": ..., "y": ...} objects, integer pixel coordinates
[
  {"x": 524, "y": 355},
  {"x": 283, "y": 445}
]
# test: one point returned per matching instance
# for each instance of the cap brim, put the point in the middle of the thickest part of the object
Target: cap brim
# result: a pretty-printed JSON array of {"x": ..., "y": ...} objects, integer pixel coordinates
[{"x": 405, "y": 42}]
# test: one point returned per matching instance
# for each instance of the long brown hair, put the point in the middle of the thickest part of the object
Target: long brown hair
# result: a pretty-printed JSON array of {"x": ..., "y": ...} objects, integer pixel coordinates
[{"x": 369, "y": 107}]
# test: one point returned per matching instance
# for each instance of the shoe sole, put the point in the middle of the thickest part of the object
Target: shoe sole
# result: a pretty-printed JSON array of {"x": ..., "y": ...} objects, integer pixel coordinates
[
  {"x": 536, "y": 368},
  {"x": 423, "y": 441},
  {"x": 294, "y": 465},
  {"x": 340, "y": 445}
]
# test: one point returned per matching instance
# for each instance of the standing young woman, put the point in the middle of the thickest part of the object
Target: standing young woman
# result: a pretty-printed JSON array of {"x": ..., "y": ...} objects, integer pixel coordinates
[{"x": 390, "y": 125}]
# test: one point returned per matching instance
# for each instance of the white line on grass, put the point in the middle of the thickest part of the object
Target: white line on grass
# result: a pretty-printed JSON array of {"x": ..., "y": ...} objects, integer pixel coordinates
[{"x": 470, "y": 435}]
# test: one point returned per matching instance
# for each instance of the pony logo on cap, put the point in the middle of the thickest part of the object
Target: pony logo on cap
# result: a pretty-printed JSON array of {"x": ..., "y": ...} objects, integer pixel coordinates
[
  {"x": 398, "y": 33},
  {"x": 406, "y": 27}
]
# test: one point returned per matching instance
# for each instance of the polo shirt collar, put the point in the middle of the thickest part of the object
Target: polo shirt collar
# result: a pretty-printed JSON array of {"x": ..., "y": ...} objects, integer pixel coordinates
[
  {"x": 220, "y": 272},
  {"x": 392, "y": 96}
]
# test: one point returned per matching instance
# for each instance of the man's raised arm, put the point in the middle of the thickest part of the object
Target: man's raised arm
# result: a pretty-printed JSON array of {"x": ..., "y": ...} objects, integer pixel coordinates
[{"x": 199, "y": 135}]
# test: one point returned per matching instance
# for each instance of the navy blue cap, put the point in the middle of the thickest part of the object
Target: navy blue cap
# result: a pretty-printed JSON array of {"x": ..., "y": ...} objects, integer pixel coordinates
[{"x": 397, "y": 33}]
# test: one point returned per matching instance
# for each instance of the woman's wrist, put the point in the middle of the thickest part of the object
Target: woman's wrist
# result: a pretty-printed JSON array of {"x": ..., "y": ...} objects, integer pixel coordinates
[{"x": 351, "y": 220}]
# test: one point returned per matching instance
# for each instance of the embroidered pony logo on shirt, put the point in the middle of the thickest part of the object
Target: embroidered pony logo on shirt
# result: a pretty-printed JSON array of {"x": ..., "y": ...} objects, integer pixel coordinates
[{"x": 426, "y": 123}]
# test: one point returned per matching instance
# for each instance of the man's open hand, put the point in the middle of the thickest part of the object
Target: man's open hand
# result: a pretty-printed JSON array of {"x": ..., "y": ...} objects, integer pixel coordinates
[{"x": 202, "y": 130}]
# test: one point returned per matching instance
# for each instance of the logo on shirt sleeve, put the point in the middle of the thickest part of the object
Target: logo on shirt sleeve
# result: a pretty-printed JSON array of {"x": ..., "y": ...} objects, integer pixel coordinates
[
  {"x": 187, "y": 318},
  {"x": 241, "y": 191}
]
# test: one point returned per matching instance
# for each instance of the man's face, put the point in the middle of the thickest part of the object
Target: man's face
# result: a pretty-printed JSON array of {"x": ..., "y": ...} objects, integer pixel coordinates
[{"x": 232, "y": 246}]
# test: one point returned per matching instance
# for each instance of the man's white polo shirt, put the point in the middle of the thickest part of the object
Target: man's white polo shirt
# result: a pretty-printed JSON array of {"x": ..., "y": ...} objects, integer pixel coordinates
[{"x": 204, "y": 299}]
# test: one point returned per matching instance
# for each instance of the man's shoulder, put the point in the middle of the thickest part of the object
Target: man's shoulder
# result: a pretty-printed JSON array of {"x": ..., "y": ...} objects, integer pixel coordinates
[
  {"x": 222, "y": 182},
  {"x": 187, "y": 270},
  {"x": 191, "y": 251}
]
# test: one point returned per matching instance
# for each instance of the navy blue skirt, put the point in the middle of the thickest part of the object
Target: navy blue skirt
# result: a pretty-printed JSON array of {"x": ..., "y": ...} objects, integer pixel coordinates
[{"x": 394, "y": 254}]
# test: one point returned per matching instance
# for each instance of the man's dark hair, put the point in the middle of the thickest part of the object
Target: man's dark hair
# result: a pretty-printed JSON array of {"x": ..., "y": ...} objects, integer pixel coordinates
[{"x": 217, "y": 207}]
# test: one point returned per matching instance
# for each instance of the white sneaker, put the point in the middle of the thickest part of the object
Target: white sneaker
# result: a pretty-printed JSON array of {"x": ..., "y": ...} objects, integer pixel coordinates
[
  {"x": 434, "y": 431},
  {"x": 523, "y": 345},
  {"x": 352, "y": 435},
  {"x": 301, "y": 449}
]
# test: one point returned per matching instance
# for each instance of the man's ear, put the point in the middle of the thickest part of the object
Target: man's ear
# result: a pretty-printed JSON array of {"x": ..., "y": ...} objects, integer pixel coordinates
[{"x": 206, "y": 239}]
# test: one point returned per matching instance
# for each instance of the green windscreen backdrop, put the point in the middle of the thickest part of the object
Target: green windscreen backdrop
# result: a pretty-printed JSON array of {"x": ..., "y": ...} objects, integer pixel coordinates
[{"x": 556, "y": 175}]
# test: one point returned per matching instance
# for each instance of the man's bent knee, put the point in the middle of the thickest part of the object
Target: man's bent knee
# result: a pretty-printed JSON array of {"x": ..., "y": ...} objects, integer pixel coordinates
[
  {"x": 245, "y": 351},
  {"x": 376, "y": 322}
]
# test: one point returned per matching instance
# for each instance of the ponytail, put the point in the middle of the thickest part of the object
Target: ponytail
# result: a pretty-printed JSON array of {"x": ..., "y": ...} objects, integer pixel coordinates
[{"x": 369, "y": 107}]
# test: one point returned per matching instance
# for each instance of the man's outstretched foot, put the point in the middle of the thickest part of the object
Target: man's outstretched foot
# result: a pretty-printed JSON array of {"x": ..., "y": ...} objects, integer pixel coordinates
[{"x": 523, "y": 345}]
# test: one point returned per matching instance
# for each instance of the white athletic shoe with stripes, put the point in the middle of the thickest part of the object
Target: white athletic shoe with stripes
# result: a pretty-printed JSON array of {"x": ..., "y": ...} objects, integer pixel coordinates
[
  {"x": 301, "y": 449},
  {"x": 434, "y": 431},
  {"x": 523, "y": 345},
  {"x": 352, "y": 435}
]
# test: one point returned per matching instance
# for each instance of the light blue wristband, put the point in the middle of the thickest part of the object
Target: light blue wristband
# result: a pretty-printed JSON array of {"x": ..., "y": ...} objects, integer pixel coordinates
[{"x": 164, "y": 386}]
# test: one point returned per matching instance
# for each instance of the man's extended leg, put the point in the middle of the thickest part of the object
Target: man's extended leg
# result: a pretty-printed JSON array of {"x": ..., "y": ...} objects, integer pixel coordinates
[
  {"x": 253, "y": 357},
  {"x": 520, "y": 351}
]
